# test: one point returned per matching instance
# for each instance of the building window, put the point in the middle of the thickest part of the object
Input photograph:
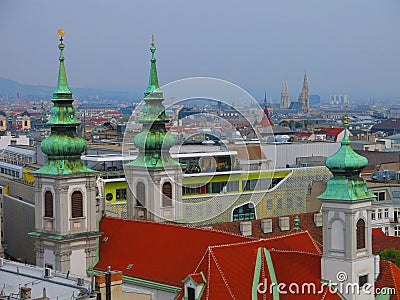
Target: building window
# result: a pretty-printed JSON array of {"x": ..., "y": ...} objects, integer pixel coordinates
[
  {"x": 360, "y": 234},
  {"x": 386, "y": 230},
  {"x": 190, "y": 293},
  {"x": 396, "y": 214},
  {"x": 373, "y": 215},
  {"x": 386, "y": 213},
  {"x": 396, "y": 230},
  {"x": 379, "y": 214},
  {"x": 362, "y": 280},
  {"x": 380, "y": 196},
  {"x": 269, "y": 203},
  {"x": 120, "y": 194},
  {"x": 244, "y": 212},
  {"x": 77, "y": 205},
  {"x": 167, "y": 194},
  {"x": 48, "y": 204},
  {"x": 140, "y": 194}
]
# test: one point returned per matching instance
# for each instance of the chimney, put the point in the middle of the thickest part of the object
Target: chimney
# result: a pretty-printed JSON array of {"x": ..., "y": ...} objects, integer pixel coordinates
[
  {"x": 266, "y": 225},
  {"x": 284, "y": 224},
  {"x": 113, "y": 278},
  {"x": 25, "y": 292},
  {"x": 318, "y": 219},
  {"x": 377, "y": 260},
  {"x": 245, "y": 228}
]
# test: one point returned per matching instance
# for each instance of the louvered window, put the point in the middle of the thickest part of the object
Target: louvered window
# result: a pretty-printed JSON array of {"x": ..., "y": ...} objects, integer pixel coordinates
[
  {"x": 167, "y": 194},
  {"x": 77, "y": 204},
  {"x": 140, "y": 194},
  {"x": 48, "y": 204},
  {"x": 360, "y": 234}
]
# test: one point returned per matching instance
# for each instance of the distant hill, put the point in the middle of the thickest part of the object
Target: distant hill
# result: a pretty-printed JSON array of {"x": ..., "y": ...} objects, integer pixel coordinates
[{"x": 10, "y": 89}]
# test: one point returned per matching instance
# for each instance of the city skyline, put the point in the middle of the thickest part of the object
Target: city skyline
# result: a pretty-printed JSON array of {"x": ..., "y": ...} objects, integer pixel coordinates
[{"x": 346, "y": 48}]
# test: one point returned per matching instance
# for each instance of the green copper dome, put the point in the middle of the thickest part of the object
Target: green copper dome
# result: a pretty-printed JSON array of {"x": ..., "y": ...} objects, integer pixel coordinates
[
  {"x": 63, "y": 147},
  {"x": 153, "y": 142},
  {"x": 346, "y": 160},
  {"x": 346, "y": 166}
]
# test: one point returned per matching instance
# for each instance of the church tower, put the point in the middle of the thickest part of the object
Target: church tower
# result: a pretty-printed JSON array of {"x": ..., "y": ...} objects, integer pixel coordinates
[
  {"x": 154, "y": 177},
  {"x": 304, "y": 97},
  {"x": 347, "y": 231},
  {"x": 65, "y": 195},
  {"x": 285, "y": 101}
]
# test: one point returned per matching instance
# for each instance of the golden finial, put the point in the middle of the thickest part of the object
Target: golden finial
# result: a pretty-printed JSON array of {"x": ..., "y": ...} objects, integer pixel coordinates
[
  {"x": 345, "y": 119},
  {"x": 60, "y": 33},
  {"x": 152, "y": 38}
]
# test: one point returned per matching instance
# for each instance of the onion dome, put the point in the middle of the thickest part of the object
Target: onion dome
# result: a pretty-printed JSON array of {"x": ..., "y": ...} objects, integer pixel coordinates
[
  {"x": 346, "y": 166},
  {"x": 63, "y": 147},
  {"x": 346, "y": 160},
  {"x": 153, "y": 142}
]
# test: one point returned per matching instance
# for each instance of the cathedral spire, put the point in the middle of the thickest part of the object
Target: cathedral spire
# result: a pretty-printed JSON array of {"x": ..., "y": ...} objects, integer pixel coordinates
[
  {"x": 63, "y": 147},
  {"x": 304, "y": 97},
  {"x": 285, "y": 101},
  {"x": 153, "y": 78}
]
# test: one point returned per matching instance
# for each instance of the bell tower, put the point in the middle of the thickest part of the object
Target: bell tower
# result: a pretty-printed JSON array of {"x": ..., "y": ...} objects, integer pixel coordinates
[
  {"x": 347, "y": 259},
  {"x": 65, "y": 195},
  {"x": 154, "y": 177}
]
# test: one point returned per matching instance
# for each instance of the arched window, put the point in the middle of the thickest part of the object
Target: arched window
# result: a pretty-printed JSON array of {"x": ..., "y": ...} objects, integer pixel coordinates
[
  {"x": 140, "y": 194},
  {"x": 244, "y": 212},
  {"x": 167, "y": 194},
  {"x": 360, "y": 234},
  {"x": 48, "y": 204},
  {"x": 77, "y": 204}
]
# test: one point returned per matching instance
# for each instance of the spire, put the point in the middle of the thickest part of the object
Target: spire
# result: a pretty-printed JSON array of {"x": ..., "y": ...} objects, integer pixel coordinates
[
  {"x": 265, "y": 99},
  {"x": 304, "y": 97},
  {"x": 63, "y": 147},
  {"x": 153, "y": 141},
  {"x": 153, "y": 79},
  {"x": 346, "y": 166},
  {"x": 62, "y": 89}
]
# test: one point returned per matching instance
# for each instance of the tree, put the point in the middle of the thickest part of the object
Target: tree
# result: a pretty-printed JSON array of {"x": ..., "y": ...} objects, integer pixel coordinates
[{"x": 392, "y": 255}]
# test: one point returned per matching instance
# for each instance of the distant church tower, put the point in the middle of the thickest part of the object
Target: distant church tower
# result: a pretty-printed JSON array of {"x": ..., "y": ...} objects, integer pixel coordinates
[
  {"x": 65, "y": 194},
  {"x": 304, "y": 97},
  {"x": 154, "y": 177},
  {"x": 285, "y": 101},
  {"x": 347, "y": 230}
]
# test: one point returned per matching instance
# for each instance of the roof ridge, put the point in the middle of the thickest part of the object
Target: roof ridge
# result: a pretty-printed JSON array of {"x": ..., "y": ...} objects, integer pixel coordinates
[
  {"x": 295, "y": 251},
  {"x": 182, "y": 225},
  {"x": 314, "y": 242},
  {"x": 394, "y": 277},
  {"x": 222, "y": 275}
]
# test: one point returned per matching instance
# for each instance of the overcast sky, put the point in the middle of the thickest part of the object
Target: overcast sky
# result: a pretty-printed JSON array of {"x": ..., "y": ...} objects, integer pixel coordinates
[{"x": 346, "y": 46}]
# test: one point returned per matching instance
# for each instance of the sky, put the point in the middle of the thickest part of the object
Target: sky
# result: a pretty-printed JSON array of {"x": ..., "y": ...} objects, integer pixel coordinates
[{"x": 346, "y": 46}]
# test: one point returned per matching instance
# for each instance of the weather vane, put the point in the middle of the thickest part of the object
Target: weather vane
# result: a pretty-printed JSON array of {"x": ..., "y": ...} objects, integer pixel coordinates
[{"x": 152, "y": 38}]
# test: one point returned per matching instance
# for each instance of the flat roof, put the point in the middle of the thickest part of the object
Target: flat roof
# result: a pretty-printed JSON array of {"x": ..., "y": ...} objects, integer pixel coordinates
[
  {"x": 15, "y": 275},
  {"x": 119, "y": 157}
]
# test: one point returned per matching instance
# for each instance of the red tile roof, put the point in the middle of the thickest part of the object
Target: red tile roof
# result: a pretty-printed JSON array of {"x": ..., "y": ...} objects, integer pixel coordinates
[
  {"x": 389, "y": 276},
  {"x": 159, "y": 252},
  {"x": 306, "y": 224},
  {"x": 380, "y": 242},
  {"x": 229, "y": 269}
]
